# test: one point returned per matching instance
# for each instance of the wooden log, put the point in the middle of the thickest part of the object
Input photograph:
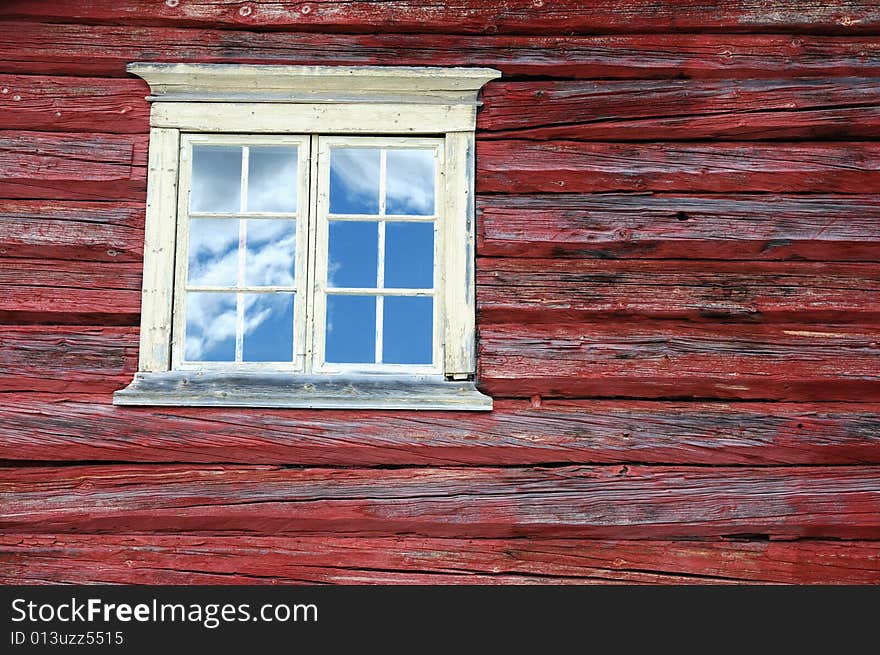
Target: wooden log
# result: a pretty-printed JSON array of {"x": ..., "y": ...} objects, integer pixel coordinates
[
  {"x": 802, "y": 108},
  {"x": 72, "y": 166},
  {"x": 73, "y": 230},
  {"x": 74, "y": 292},
  {"x": 68, "y": 428},
  {"x": 652, "y": 359},
  {"x": 514, "y": 289},
  {"x": 570, "y": 166},
  {"x": 472, "y": 16},
  {"x": 559, "y": 290},
  {"x": 602, "y": 502},
  {"x": 176, "y": 559},
  {"x": 646, "y": 226},
  {"x": 73, "y": 104},
  {"x": 89, "y": 50},
  {"x": 666, "y": 359},
  {"x": 60, "y": 358},
  {"x": 836, "y": 108}
]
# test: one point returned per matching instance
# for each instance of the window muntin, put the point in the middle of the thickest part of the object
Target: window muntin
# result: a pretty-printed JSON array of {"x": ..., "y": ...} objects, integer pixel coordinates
[
  {"x": 240, "y": 291},
  {"x": 378, "y": 287},
  {"x": 242, "y": 301}
]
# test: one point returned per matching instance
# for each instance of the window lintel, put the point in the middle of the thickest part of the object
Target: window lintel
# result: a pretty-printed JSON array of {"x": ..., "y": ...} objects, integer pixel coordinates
[{"x": 180, "y": 82}]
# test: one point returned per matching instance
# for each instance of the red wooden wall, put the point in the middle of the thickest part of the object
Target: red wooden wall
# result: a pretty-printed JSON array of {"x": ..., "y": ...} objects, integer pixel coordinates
[{"x": 678, "y": 276}]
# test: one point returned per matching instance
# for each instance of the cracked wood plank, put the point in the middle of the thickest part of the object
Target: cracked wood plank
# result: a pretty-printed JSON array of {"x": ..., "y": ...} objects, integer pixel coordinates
[
  {"x": 657, "y": 226},
  {"x": 72, "y": 230},
  {"x": 519, "y": 166},
  {"x": 68, "y": 428},
  {"x": 652, "y": 110},
  {"x": 61, "y": 291},
  {"x": 65, "y": 291},
  {"x": 646, "y": 359},
  {"x": 174, "y": 559},
  {"x": 104, "y": 50},
  {"x": 72, "y": 166},
  {"x": 471, "y": 16},
  {"x": 669, "y": 359},
  {"x": 561, "y": 290},
  {"x": 73, "y": 104},
  {"x": 598, "y": 502}
]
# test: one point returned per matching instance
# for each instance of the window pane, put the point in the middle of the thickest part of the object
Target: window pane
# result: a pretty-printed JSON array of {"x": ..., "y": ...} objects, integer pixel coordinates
[
  {"x": 271, "y": 252},
  {"x": 409, "y": 255},
  {"x": 409, "y": 188},
  {"x": 210, "y": 327},
  {"x": 216, "y": 179},
  {"x": 408, "y": 330},
  {"x": 268, "y": 327},
  {"x": 213, "y": 252},
  {"x": 272, "y": 179},
  {"x": 351, "y": 329},
  {"x": 353, "y": 254},
  {"x": 354, "y": 181}
]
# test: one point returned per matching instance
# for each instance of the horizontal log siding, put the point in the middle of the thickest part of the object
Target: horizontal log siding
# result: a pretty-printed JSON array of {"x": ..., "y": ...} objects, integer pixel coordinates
[
  {"x": 474, "y": 16},
  {"x": 175, "y": 559},
  {"x": 677, "y": 282}
]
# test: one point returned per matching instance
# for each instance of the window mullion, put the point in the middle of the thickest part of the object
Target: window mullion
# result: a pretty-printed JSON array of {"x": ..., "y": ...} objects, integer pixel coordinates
[
  {"x": 309, "y": 250},
  {"x": 242, "y": 253}
]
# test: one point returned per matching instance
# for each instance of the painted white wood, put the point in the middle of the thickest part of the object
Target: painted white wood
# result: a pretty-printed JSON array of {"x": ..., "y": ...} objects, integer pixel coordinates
[
  {"x": 265, "y": 389},
  {"x": 301, "y": 217},
  {"x": 159, "y": 235},
  {"x": 354, "y": 118},
  {"x": 278, "y": 83},
  {"x": 320, "y": 290},
  {"x": 458, "y": 266}
]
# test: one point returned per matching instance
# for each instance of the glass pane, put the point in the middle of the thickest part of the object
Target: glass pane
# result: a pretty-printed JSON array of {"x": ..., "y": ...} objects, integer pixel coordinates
[
  {"x": 213, "y": 252},
  {"x": 351, "y": 329},
  {"x": 216, "y": 179},
  {"x": 353, "y": 258},
  {"x": 354, "y": 181},
  {"x": 210, "y": 327},
  {"x": 409, "y": 188},
  {"x": 268, "y": 327},
  {"x": 271, "y": 253},
  {"x": 409, "y": 255},
  {"x": 408, "y": 330},
  {"x": 272, "y": 179}
]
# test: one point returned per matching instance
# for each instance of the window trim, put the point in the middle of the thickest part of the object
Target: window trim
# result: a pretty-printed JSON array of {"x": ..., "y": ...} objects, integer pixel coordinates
[{"x": 308, "y": 100}]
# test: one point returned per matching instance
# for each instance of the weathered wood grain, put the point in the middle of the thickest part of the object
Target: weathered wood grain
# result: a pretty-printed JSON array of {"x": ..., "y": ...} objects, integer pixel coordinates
[
  {"x": 89, "y": 50},
  {"x": 618, "y": 502},
  {"x": 645, "y": 359},
  {"x": 559, "y": 290},
  {"x": 69, "y": 428},
  {"x": 835, "y": 108},
  {"x": 72, "y": 166},
  {"x": 72, "y": 230},
  {"x": 666, "y": 359},
  {"x": 175, "y": 559},
  {"x": 61, "y": 358},
  {"x": 68, "y": 291},
  {"x": 513, "y": 289},
  {"x": 649, "y": 226},
  {"x": 803, "y": 108},
  {"x": 73, "y": 104},
  {"x": 472, "y": 16},
  {"x": 519, "y": 166}
]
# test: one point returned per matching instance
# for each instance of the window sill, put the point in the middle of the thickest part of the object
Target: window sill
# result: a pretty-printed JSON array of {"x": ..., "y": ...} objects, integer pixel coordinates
[{"x": 212, "y": 389}]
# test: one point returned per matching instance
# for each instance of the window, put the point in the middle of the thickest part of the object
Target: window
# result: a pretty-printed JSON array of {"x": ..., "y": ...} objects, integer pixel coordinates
[{"x": 309, "y": 238}]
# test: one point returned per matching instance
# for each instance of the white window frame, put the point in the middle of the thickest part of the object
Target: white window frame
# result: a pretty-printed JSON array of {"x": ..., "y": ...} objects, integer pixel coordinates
[
  {"x": 187, "y": 141},
  {"x": 323, "y": 105}
]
